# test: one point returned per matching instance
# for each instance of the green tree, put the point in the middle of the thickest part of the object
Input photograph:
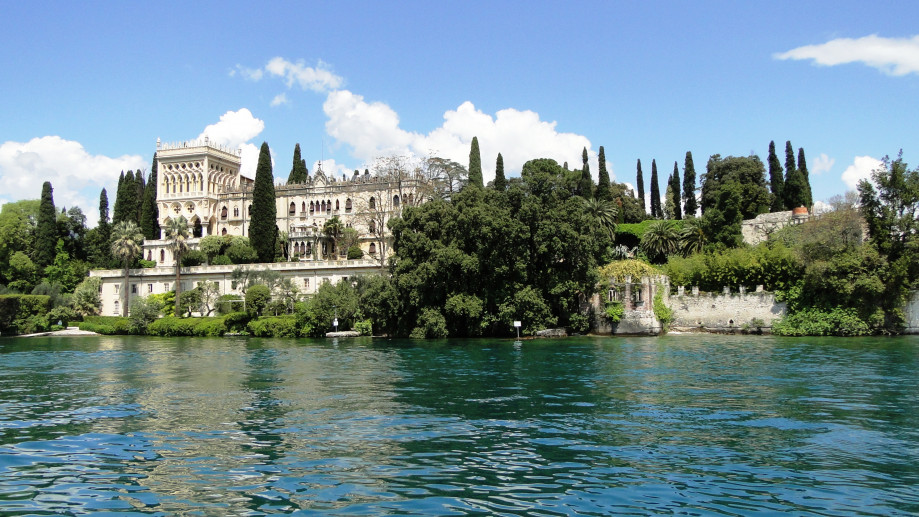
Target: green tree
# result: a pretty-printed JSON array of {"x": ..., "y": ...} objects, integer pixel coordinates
[
  {"x": 802, "y": 166},
  {"x": 117, "y": 210},
  {"x": 500, "y": 180},
  {"x": 586, "y": 184},
  {"x": 603, "y": 213},
  {"x": 86, "y": 300},
  {"x": 640, "y": 181},
  {"x": 662, "y": 238},
  {"x": 690, "y": 205},
  {"x": 98, "y": 245},
  {"x": 126, "y": 246},
  {"x": 890, "y": 206},
  {"x": 656, "y": 209},
  {"x": 475, "y": 164},
  {"x": 46, "y": 232},
  {"x": 22, "y": 273},
  {"x": 795, "y": 192},
  {"x": 150, "y": 212},
  {"x": 333, "y": 229},
  {"x": 263, "y": 226},
  {"x": 139, "y": 188},
  {"x": 257, "y": 297},
  {"x": 603, "y": 182},
  {"x": 669, "y": 210},
  {"x": 628, "y": 207},
  {"x": 177, "y": 235},
  {"x": 776, "y": 181},
  {"x": 675, "y": 192},
  {"x": 298, "y": 171},
  {"x": 126, "y": 202}
]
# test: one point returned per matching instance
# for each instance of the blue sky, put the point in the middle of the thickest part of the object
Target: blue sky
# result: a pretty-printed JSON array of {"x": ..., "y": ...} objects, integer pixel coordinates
[{"x": 87, "y": 88}]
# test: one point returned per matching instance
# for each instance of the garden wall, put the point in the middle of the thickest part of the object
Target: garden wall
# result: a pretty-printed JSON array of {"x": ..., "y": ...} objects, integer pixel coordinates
[
  {"x": 912, "y": 314},
  {"x": 724, "y": 312}
]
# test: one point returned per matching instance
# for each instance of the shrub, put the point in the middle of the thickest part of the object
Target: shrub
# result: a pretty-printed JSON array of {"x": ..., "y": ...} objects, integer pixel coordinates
[
  {"x": 257, "y": 297},
  {"x": 431, "y": 324},
  {"x": 364, "y": 327},
  {"x": 355, "y": 252},
  {"x": 221, "y": 260},
  {"x": 172, "y": 326},
  {"x": 274, "y": 326},
  {"x": 663, "y": 313},
  {"x": 816, "y": 322},
  {"x": 617, "y": 270},
  {"x": 236, "y": 321},
  {"x": 64, "y": 314},
  {"x": 210, "y": 327},
  {"x": 193, "y": 258},
  {"x": 614, "y": 311},
  {"x": 146, "y": 263},
  {"x": 144, "y": 311},
  {"x": 107, "y": 325},
  {"x": 228, "y": 303}
]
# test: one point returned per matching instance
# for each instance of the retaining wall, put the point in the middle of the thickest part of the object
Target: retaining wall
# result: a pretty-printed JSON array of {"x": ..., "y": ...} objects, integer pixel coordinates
[
  {"x": 912, "y": 314},
  {"x": 725, "y": 312}
]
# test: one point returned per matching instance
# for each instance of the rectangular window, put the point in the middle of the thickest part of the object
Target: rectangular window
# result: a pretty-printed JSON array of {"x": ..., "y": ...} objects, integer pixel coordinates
[
  {"x": 306, "y": 283},
  {"x": 149, "y": 288},
  {"x": 233, "y": 285},
  {"x": 166, "y": 287},
  {"x": 133, "y": 288},
  {"x": 117, "y": 288}
]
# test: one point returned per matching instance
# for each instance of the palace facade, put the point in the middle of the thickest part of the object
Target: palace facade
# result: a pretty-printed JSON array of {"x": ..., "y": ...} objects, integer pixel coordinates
[{"x": 202, "y": 182}]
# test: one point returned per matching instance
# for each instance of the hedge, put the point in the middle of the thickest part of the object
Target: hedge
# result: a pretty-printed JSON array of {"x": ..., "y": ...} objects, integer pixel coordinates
[
  {"x": 274, "y": 326},
  {"x": 107, "y": 325}
]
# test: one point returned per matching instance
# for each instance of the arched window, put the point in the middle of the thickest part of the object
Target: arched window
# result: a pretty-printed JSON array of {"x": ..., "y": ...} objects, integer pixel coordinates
[
  {"x": 163, "y": 254},
  {"x": 348, "y": 205},
  {"x": 311, "y": 207},
  {"x": 293, "y": 209},
  {"x": 373, "y": 203},
  {"x": 336, "y": 205},
  {"x": 411, "y": 199},
  {"x": 373, "y": 248},
  {"x": 309, "y": 248},
  {"x": 322, "y": 207},
  {"x": 116, "y": 307},
  {"x": 223, "y": 232},
  {"x": 328, "y": 205},
  {"x": 303, "y": 207},
  {"x": 395, "y": 201},
  {"x": 373, "y": 227},
  {"x": 223, "y": 213},
  {"x": 149, "y": 254}
]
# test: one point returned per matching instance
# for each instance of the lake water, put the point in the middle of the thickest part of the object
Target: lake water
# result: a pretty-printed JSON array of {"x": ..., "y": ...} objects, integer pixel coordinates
[{"x": 678, "y": 425}]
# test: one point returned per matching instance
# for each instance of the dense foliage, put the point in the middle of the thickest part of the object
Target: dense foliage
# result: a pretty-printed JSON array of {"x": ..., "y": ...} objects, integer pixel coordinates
[{"x": 263, "y": 229}]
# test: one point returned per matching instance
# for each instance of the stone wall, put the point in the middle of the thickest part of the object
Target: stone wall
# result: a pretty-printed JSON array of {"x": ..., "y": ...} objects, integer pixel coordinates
[
  {"x": 724, "y": 312},
  {"x": 912, "y": 314},
  {"x": 757, "y": 230}
]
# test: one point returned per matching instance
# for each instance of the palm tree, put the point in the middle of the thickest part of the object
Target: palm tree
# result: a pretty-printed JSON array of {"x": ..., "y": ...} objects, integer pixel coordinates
[
  {"x": 177, "y": 234},
  {"x": 660, "y": 239},
  {"x": 603, "y": 213},
  {"x": 126, "y": 246},
  {"x": 333, "y": 229},
  {"x": 692, "y": 237}
]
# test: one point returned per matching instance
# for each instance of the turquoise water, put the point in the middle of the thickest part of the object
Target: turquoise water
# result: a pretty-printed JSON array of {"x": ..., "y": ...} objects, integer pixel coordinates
[{"x": 679, "y": 425}]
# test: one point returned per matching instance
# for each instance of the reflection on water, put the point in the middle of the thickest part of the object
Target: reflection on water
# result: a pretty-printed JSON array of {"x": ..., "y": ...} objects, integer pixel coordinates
[{"x": 681, "y": 424}]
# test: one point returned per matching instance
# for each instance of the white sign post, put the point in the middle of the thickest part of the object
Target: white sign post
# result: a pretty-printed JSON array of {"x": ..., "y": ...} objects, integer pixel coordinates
[{"x": 517, "y": 326}]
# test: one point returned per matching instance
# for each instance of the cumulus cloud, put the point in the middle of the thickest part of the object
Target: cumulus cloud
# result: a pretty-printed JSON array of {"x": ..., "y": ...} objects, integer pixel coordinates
[
  {"x": 822, "y": 164},
  {"x": 234, "y": 128},
  {"x": 860, "y": 169},
  {"x": 252, "y": 74},
  {"x": 372, "y": 129},
  {"x": 279, "y": 99},
  {"x": 892, "y": 56},
  {"x": 76, "y": 175}
]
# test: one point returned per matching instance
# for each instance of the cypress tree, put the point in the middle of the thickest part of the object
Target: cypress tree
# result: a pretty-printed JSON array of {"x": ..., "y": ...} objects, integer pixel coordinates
[
  {"x": 586, "y": 184},
  {"x": 475, "y": 164},
  {"x": 776, "y": 181},
  {"x": 792, "y": 199},
  {"x": 139, "y": 185},
  {"x": 117, "y": 209},
  {"x": 675, "y": 192},
  {"x": 802, "y": 166},
  {"x": 46, "y": 231},
  {"x": 126, "y": 200},
  {"x": 689, "y": 186},
  {"x": 603, "y": 191},
  {"x": 263, "y": 228},
  {"x": 150, "y": 212},
  {"x": 103, "y": 208},
  {"x": 640, "y": 180},
  {"x": 500, "y": 180},
  {"x": 656, "y": 210},
  {"x": 298, "y": 171}
]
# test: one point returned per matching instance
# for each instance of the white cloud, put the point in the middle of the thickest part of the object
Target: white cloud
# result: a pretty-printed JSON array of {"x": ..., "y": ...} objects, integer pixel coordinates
[
  {"x": 822, "y": 164},
  {"x": 252, "y": 74},
  {"x": 76, "y": 176},
  {"x": 860, "y": 169},
  {"x": 318, "y": 78},
  {"x": 279, "y": 99},
  {"x": 893, "y": 56},
  {"x": 372, "y": 129},
  {"x": 234, "y": 129}
]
